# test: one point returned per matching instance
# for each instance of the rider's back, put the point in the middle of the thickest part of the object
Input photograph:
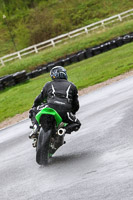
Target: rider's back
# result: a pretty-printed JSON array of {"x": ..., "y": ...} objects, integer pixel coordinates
[{"x": 61, "y": 95}]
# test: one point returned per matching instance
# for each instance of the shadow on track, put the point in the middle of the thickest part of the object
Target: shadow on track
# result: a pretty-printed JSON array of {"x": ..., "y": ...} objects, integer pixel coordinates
[{"x": 85, "y": 156}]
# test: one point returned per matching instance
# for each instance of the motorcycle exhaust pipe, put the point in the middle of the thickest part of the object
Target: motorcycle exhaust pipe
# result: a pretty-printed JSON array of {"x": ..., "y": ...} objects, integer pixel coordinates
[{"x": 61, "y": 132}]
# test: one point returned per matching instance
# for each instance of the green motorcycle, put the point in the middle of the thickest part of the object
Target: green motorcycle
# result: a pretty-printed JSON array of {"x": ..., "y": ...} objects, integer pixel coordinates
[{"x": 50, "y": 136}]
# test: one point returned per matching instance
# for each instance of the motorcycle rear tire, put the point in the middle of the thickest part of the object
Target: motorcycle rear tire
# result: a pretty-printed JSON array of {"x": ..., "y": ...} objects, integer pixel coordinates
[{"x": 42, "y": 150}]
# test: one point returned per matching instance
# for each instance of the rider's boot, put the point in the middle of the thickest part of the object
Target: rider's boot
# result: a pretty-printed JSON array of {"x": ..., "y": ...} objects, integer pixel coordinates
[
  {"x": 69, "y": 128},
  {"x": 72, "y": 127}
]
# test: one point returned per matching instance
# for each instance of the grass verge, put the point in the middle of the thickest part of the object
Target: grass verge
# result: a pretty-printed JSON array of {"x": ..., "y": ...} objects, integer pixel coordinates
[
  {"x": 97, "y": 69},
  {"x": 70, "y": 46}
]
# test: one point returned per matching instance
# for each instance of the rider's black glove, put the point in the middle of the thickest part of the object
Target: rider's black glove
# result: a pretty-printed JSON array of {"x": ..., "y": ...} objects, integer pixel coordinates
[
  {"x": 73, "y": 112},
  {"x": 31, "y": 111}
]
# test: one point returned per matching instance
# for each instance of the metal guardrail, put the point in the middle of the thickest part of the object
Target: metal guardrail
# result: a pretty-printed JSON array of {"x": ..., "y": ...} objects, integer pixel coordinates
[{"x": 52, "y": 42}]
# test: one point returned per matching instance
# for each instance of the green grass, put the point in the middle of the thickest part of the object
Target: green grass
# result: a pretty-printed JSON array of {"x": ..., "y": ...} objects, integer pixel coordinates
[
  {"x": 70, "y": 46},
  {"x": 94, "y": 70},
  {"x": 31, "y": 22}
]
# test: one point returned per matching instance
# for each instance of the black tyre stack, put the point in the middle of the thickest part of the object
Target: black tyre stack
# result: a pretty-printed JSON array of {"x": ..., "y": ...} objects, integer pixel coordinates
[
  {"x": 19, "y": 77},
  {"x": 7, "y": 81}
]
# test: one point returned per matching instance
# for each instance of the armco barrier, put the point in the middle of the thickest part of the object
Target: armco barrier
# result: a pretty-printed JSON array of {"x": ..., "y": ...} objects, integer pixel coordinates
[{"x": 19, "y": 77}]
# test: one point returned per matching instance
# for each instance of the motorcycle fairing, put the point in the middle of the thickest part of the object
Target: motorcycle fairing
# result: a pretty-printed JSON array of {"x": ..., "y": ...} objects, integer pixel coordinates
[{"x": 49, "y": 111}]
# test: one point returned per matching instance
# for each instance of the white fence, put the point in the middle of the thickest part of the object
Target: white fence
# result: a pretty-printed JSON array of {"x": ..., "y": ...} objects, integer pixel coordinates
[{"x": 52, "y": 42}]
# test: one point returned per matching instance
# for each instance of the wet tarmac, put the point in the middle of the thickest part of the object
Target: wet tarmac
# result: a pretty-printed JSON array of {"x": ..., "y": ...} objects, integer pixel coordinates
[{"x": 96, "y": 163}]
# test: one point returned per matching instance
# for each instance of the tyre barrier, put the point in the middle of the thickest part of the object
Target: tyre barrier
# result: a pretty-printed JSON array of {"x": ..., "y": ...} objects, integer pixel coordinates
[
  {"x": 1, "y": 87},
  {"x": 20, "y": 76},
  {"x": 11, "y": 80},
  {"x": 73, "y": 58},
  {"x": 66, "y": 61},
  {"x": 88, "y": 53},
  {"x": 96, "y": 50},
  {"x": 50, "y": 66},
  {"x": 6, "y": 81},
  {"x": 81, "y": 55}
]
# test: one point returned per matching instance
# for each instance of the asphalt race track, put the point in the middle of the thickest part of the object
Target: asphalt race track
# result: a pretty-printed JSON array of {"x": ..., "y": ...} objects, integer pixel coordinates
[{"x": 96, "y": 163}]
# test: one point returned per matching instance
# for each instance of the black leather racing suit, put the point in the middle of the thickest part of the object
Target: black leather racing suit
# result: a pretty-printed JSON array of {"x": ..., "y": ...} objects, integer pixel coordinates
[{"x": 62, "y": 96}]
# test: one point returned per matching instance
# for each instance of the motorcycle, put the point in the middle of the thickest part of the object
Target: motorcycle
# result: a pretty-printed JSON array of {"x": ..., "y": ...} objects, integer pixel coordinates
[{"x": 50, "y": 135}]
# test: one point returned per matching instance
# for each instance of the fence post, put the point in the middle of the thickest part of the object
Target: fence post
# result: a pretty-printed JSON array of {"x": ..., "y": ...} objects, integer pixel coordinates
[
  {"x": 36, "y": 50},
  {"x": 119, "y": 17},
  {"x": 2, "y": 62},
  {"x": 69, "y": 36},
  {"x": 102, "y": 22},
  {"x": 19, "y": 56},
  {"x": 53, "y": 44},
  {"x": 86, "y": 30}
]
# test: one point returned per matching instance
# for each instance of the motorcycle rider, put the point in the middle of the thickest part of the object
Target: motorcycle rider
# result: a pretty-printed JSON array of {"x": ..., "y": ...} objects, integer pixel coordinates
[{"x": 61, "y": 95}]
